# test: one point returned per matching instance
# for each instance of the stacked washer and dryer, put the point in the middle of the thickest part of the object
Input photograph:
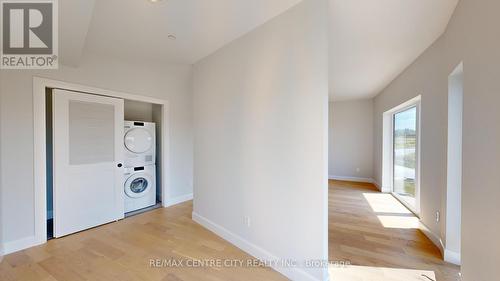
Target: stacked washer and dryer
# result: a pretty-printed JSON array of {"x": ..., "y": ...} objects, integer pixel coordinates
[{"x": 140, "y": 165}]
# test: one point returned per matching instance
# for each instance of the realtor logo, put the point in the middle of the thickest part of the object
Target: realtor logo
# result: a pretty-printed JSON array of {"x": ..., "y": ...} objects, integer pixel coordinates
[{"x": 29, "y": 34}]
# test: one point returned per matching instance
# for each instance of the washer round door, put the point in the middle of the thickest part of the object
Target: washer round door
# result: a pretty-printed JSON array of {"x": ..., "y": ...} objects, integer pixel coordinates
[
  {"x": 138, "y": 140},
  {"x": 138, "y": 185}
]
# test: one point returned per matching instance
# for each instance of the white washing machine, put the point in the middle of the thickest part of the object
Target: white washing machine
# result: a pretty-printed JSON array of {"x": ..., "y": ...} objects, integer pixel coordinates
[
  {"x": 140, "y": 187},
  {"x": 140, "y": 144}
]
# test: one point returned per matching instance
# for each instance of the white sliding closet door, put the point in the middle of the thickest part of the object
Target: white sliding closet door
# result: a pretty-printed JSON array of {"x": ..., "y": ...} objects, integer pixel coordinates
[{"x": 88, "y": 157}]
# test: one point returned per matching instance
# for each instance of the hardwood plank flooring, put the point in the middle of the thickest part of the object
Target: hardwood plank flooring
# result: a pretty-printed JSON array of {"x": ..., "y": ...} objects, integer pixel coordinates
[
  {"x": 369, "y": 228},
  {"x": 123, "y": 250},
  {"x": 366, "y": 228}
]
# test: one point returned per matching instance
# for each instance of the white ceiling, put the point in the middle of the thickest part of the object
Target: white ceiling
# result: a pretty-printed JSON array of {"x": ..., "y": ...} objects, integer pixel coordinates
[
  {"x": 74, "y": 18},
  {"x": 371, "y": 41},
  {"x": 139, "y": 28}
]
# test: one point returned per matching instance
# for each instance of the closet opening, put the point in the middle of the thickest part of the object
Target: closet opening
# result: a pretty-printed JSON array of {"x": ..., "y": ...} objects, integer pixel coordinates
[
  {"x": 121, "y": 137},
  {"x": 141, "y": 121}
]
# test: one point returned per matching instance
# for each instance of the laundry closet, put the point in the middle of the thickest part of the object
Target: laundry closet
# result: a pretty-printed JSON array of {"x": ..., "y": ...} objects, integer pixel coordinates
[{"x": 103, "y": 159}]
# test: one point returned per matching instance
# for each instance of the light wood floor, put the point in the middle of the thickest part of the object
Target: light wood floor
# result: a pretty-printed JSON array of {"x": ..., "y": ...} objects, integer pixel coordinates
[
  {"x": 366, "y": 228},
  {"x": 122, "y": 251},
  {"x": 369, "y": 228}
]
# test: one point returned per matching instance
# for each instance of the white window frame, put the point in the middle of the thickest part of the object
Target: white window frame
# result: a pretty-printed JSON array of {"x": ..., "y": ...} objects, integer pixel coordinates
[{"x": 388, "y": 153}]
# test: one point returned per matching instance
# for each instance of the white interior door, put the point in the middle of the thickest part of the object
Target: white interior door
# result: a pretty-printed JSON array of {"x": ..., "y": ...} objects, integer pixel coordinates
[{"x": 88, "y": 152}]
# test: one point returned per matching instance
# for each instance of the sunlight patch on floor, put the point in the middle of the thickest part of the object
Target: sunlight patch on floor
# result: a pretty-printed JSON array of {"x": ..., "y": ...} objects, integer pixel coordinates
[
  {"x": 367, "y": 273},
  {"x": 390, "y": 212},
  {"x": 404, "y": 222},
  {"x": 385, "y": 203}
]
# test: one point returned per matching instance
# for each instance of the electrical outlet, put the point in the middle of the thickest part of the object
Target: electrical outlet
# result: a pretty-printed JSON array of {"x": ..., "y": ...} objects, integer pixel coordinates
[
  {"x": 358, "y": 170},
  {"x": 247, "y": 221},
  {"x": 438, "y": 216}
]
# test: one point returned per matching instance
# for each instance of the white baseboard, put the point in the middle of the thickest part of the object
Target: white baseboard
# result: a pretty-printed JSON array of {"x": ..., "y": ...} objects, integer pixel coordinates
[
  {"x": 354, "y": 179},
  {"x": 18, "y": 245},
  {"x": 433, "y": 237},
  {"x": 179, "y": 199},
  {"x": 452, "y": 257},
  {"x": 252, "y": 249}
]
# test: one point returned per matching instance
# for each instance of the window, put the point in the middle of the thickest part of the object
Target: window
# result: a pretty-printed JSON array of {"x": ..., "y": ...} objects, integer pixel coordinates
[{"x": 405, "y": 160}]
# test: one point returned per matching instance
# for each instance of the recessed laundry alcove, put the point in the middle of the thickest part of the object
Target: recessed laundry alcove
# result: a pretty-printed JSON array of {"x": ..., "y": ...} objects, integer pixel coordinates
[{"x": 92, "y": 108}]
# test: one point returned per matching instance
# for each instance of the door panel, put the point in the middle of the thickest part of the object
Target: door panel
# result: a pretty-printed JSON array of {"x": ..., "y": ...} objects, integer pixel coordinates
[
  {"x": 91, "y": 133},
  {"x": 88, "y": 184}
]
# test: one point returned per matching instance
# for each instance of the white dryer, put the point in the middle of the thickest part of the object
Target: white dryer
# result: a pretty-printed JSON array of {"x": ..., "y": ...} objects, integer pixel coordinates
[
  {"x": 140, "y": 187},
  {"x": 140, "y": 144}
]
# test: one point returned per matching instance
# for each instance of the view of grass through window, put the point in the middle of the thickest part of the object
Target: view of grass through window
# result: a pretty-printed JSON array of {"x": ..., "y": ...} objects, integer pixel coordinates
[{"x": 405, "y": 144}]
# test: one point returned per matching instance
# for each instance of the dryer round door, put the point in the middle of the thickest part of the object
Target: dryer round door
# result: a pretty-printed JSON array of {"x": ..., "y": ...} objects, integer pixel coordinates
[
  {"x": 138, "y": 185},
  {"x": 138, "y": 140}
]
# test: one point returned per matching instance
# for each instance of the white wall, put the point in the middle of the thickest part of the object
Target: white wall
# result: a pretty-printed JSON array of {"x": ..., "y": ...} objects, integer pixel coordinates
[
  {"x": 138, "y": 111},
  {"x": 351, "y": 140},
  {"x": 261, "y": 113},
  {"x": 471, "y": 38},
  {"x": 166, "y": 82},
  {"x": 454, "y": 162},
  {"x": 434, "y": 112}
]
